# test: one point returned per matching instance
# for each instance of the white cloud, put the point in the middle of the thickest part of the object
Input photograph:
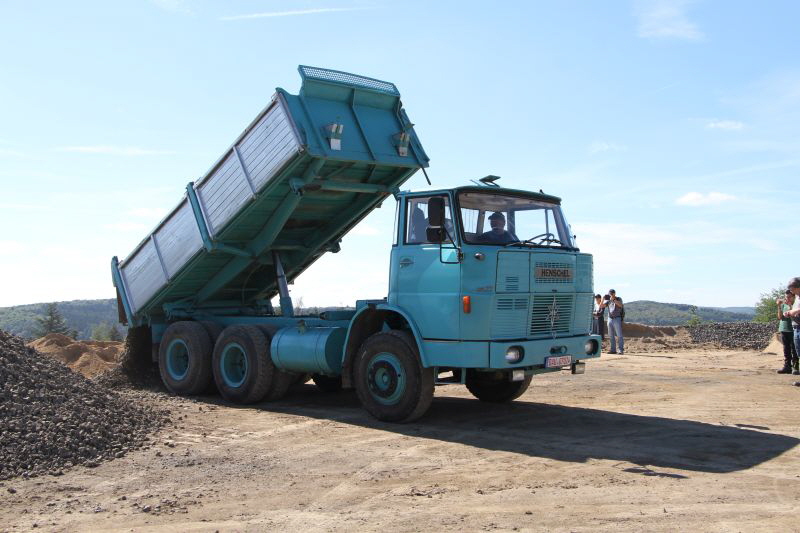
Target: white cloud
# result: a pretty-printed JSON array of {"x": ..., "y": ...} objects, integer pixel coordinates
[
  {"x": 697, "y": 199},
  {"x": 665, "y": 19},
  {"x": 727, "y": 125},
  {"x": 271, "y": 14},
  {"x": 597, "y": 147},
  {"x": 113, "y": 150},
  {"x": 8, "y": 152}
]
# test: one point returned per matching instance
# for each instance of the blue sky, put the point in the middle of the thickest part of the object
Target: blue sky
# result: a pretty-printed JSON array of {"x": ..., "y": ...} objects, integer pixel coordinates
[{"x": 669, "y": 129}]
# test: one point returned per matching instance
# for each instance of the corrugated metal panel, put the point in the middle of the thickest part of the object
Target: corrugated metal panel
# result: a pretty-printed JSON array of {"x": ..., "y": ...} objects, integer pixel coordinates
[
  {"x": 224, "y": 193},
  {"x": 510, "y": 317},
  {"x": 179, "y": 238},
  {"x": 268, "y": 146},
  {"x": 142, "y": 275},
  {"x": 263, "y": 150},
  {"x": 512, "y": 272}
]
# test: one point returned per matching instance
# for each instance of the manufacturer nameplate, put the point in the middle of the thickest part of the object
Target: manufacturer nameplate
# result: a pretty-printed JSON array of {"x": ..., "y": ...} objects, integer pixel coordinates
[{"x": 561, "y": 274}]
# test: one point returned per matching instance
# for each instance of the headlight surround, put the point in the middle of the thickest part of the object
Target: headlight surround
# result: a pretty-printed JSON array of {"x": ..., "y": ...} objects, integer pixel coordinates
[
  {"x": 514, "y": 354},
  {"x": 590, "y": 347}
]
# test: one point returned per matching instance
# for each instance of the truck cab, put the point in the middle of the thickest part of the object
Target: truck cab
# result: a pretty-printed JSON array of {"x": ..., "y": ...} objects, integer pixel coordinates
[{"x": 492, "y": 280}]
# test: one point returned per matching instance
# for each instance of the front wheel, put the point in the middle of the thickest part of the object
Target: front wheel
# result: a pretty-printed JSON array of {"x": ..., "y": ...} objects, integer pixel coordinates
[
  {"x": 495, "y": 387},
  {"x": 390, "y": 380}
]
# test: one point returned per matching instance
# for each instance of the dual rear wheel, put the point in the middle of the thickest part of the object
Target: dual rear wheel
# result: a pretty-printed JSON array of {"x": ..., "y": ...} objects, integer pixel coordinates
[{"x": 193, "y": 355}]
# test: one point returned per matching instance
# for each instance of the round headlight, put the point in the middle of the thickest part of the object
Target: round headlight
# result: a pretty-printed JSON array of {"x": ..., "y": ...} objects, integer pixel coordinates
[
  {"x": 514, "y": 354},
  {"x": 590, "y": 347}
]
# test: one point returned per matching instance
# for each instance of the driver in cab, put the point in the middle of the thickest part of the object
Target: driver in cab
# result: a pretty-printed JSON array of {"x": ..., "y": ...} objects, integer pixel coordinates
[{"x": 498, "y": 233}]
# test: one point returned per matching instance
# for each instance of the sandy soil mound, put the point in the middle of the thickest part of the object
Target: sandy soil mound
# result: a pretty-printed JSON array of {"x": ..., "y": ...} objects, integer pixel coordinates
[
  {"x": 630, "y": 329},
  {"x": 90, "y": 358},
  {"x": 775, "y": 346}
]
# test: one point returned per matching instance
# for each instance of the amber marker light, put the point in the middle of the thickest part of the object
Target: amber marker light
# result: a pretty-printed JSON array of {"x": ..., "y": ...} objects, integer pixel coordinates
[{"x": 467, "y": 303}]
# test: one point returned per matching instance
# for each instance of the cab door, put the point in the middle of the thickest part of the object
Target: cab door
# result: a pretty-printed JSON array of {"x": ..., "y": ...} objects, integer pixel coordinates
[{"x": 428, "y": 273}]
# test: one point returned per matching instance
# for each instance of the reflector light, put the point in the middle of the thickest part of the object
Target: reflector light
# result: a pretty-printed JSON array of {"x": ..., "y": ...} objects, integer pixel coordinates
[{"x": 467, "y": 304}]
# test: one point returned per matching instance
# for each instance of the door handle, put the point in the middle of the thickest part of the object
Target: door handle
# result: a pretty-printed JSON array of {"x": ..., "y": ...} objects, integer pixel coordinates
[{"x": 406, "y": 262}]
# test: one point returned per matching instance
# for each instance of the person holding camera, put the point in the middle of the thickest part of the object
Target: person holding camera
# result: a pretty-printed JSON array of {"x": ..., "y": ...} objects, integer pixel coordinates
[
  {"x": 790, "y": 362},
  {"x": 794, "y": 314},
  {"x": 615, "y": 315}
]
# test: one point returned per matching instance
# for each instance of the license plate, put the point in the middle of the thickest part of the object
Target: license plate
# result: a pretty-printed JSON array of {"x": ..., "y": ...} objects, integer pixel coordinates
[{"x": 555, "y": 362}]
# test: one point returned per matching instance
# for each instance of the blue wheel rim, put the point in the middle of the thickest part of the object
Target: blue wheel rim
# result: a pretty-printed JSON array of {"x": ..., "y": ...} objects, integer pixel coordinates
[
  {"x": 177, "y": 359},
  {"x": 233, "y": 365},
  {"x": 386, "y": 378}
]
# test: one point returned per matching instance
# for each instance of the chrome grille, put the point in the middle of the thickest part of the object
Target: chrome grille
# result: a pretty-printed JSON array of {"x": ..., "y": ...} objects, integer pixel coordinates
[{"x": 551, "y": 314}]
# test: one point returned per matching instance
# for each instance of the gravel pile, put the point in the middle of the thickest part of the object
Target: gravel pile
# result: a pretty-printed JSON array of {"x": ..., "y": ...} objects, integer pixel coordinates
[
  {"x": 52, "y": 418},
  {"x": 734, "y": 335}
]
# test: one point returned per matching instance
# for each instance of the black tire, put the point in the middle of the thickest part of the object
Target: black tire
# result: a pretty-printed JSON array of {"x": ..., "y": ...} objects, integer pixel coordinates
[
  {"x": 327, "y": 383},
  {"x": 390, "y": 380},
  {"x": 495, "y": 387},
  {"x": 184, "y": 358},
  {"x": 214, "y": 331},
  {"x": 242, "y": 366},
  {"x": 281, "y": 381}
]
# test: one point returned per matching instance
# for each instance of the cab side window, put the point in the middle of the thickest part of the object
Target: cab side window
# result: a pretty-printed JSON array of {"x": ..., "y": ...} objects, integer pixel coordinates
[{"x": 417, "y": 219}]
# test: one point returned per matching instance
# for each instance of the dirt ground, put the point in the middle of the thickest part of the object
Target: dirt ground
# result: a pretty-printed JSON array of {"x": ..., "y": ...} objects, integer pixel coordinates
[{"x": 702, "y": 440}]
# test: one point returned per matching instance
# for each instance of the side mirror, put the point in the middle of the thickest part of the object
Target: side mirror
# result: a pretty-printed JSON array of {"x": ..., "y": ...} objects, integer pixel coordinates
[{"x": 436, "y": 212}]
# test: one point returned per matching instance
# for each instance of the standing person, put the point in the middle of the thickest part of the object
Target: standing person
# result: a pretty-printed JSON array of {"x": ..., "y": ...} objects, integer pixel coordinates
[
  {"x": 599, "y": 317},
  {"x": 615, "y": 314},
  {"x": 794, "y": 313},
  {"x": 790, "y": 363}
]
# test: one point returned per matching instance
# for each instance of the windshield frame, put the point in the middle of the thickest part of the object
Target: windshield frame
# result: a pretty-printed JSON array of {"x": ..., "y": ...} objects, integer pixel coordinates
[{"x": 563, "y": 226}]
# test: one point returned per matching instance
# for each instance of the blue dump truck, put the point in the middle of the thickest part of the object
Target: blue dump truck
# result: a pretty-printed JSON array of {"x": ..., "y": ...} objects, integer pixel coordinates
[{"x": 486, "y": 286}]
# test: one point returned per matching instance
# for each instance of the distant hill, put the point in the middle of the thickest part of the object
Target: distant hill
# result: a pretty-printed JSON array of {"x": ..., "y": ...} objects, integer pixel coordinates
[
  {"x": 743, "y": 310},
  {"x": 83, "y": 315},
  {"x": 80, "y": 315},
  {"x": 665, "y": 314}
]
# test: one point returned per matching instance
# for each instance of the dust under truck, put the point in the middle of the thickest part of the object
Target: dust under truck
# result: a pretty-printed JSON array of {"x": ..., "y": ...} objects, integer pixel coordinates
[{"x": 472, "y": 299}]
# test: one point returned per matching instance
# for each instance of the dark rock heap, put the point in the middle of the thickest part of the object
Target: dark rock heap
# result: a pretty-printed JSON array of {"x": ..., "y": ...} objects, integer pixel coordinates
[
  {"x": 52, "y": 418},
  {"x": 734, "y": 335}
]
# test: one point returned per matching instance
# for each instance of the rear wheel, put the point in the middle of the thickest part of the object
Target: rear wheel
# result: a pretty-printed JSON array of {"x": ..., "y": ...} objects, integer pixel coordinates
[
  {"x": 495, "y": 387},
  {"x": 184, "y": 358},
  {"x": 281, "y": 380},
  {"x": 328, "y": 383},
  {"x": 242, "y": 366},
  {"x": 390, "y": 379}
]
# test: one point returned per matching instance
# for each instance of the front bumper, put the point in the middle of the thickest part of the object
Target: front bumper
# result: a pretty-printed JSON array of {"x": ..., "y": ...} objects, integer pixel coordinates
[{"x": 491, "y": 354}]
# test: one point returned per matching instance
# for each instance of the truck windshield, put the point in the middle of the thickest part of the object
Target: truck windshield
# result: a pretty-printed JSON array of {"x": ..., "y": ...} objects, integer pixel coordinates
[{"x": 502, "y": 220}]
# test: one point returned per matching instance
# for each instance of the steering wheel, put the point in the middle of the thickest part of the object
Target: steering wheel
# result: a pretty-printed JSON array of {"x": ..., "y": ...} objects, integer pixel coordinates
[{"x": 544, "y": 237}]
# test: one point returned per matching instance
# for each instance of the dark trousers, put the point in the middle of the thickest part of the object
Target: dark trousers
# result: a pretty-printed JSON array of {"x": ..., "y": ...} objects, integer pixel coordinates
[
  {"x": 789, "y": 349},
  {"x": 599, "y": 327}
]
